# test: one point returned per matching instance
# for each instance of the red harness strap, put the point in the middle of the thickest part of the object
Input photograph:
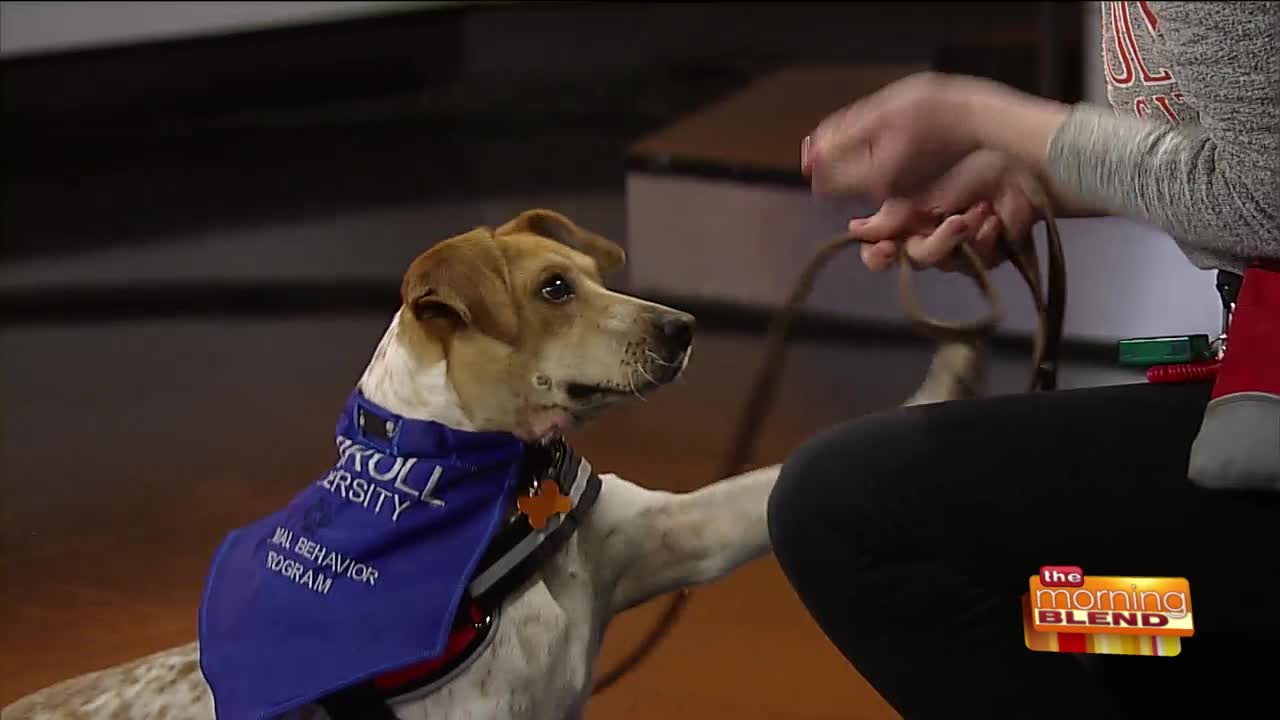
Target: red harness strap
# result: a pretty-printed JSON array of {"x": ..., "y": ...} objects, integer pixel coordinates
[{"x": 461, "y": 641}]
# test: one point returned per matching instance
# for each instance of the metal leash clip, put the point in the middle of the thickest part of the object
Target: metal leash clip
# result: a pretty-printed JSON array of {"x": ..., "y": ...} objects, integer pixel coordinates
[{"x": 1228, "y": 285}]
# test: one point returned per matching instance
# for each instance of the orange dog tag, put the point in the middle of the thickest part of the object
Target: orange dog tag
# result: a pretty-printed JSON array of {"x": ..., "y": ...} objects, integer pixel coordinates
[{"x": 547, "y": 502}]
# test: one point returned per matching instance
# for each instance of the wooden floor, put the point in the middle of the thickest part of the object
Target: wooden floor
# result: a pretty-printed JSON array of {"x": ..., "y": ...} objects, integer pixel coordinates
[{"x": 126, "y": 451}]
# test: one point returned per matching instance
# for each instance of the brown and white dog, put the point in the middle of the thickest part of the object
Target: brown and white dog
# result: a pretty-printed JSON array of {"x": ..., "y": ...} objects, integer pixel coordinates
[{"x": 513, "y": 330}]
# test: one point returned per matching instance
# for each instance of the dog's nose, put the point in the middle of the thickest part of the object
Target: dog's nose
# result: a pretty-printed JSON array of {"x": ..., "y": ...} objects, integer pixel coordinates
[{"x": 676, "y": 331}]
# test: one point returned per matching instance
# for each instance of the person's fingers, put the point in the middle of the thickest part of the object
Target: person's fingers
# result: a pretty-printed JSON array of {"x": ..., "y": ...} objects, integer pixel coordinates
[
  {"x": 986, "y": 242},
  {"x": 869, "y": 256},
  {"x": 929, "y": 250},
  {"x": 983, "y": 243},
  {"x": 1016, "y": 215},
  {"x": 841, "y": 130},
  {"x": 987, "y": 233},
  {"x": 882, "y": 233},
  {"x": 854, "y": 128},
  {"x": 879, "y": 256},
  {"x": 1016, "y": 220},
  {"x": 848, "y": 173},
  {"x": 895, "y": 219},
  {"x": 874, "y": 162},
  {"x": 847, "y": 153},
  {"x": 1012, "y": 220}
]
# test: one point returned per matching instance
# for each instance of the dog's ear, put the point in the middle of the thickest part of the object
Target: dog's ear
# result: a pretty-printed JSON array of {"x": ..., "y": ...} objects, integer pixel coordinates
[
  {"x": 464, "y": 281},
  {"x": 550, "y": 224}
]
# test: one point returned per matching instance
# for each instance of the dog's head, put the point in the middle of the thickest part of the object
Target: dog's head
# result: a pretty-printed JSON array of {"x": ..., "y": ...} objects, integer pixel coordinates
[{"x": 534, "y": 341}]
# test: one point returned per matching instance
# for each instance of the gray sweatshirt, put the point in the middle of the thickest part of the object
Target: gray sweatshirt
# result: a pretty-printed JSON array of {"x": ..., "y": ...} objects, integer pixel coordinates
[{"x": 1191, "y": 143}]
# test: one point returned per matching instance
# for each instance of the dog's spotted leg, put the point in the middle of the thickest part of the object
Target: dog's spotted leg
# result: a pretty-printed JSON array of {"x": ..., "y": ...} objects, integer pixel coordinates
[
  {"x": 656, "y": 541},
  {"x": 166, "y": 685}
]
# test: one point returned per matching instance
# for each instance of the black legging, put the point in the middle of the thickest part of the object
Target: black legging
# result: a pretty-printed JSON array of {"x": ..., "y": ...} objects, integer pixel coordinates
[{"x": 910, "y": 537}]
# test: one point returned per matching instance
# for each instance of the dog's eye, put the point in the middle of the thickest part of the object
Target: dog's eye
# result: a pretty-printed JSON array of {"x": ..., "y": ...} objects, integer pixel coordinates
[{"x": 556, "y": 289}]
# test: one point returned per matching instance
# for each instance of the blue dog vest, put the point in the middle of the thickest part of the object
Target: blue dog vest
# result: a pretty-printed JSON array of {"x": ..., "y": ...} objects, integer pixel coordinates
[{"x": 363, "y": 572}]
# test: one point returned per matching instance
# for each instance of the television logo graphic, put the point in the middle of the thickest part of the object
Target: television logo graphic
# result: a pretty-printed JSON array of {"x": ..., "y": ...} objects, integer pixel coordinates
[{"x": 1068, "y": 611}]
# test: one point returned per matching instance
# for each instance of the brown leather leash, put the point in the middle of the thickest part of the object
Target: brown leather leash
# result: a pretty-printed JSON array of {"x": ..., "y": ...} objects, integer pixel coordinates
[{"x": 1050, "y": 307}]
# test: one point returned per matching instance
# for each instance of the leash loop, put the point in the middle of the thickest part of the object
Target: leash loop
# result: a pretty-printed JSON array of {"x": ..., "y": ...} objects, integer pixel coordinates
[{"x": 1050, "y": 305}]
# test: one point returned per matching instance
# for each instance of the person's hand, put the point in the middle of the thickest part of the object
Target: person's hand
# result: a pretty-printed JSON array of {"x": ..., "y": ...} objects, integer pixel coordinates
[
  {"x": 896, "y": 141},
  {"x": 978, "y": 200}
]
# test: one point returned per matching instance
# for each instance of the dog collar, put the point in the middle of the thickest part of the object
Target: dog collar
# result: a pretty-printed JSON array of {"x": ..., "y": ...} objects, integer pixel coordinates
[{"x": 363, "y": 573}]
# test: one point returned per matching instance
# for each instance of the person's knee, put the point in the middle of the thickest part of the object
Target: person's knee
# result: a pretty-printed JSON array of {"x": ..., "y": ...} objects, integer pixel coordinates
[
  {"x": 795, "y": 500},
  {"x": 831, "y": 489}
]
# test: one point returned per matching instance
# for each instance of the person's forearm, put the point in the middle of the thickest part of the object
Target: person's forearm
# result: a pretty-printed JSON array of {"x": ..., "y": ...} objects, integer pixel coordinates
[
  {"x": 1216, "y": 196},
  {"x": 1214, "y": 190},
  {"x": 1067, "y": 206},
  {"x": 1022, "y": 127}
]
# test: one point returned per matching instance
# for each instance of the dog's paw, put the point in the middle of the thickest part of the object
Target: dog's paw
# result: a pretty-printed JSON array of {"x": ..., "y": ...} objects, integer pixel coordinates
[{"x": 958, "y": 371}]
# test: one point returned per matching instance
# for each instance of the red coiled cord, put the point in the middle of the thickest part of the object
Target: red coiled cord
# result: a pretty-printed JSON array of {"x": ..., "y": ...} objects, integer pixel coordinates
[{"x": 1184, "y": 372}]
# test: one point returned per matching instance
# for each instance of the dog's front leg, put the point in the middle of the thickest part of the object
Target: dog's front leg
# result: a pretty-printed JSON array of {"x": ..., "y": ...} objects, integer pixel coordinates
[{"x": 656, "y": 541}]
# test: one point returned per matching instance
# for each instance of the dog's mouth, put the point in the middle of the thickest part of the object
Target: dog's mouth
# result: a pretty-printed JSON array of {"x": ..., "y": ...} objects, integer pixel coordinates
[
  {"x": 642, "y": 380},
  {"x": 583, "y": 392}
]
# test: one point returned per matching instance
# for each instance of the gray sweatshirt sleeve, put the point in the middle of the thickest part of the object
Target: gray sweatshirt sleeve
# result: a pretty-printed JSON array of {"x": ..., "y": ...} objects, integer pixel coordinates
[{"x": 1214, "y": 186}]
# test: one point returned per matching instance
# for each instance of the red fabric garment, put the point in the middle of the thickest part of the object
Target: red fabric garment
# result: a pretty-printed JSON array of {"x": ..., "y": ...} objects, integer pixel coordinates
[{"x": 1238, "y": 446}]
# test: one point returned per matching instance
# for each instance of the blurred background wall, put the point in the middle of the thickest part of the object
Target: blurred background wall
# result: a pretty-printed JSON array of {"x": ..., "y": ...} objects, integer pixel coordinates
[
  {"x": 52, "y": 27},
  {"x": 430, "y": 98}
]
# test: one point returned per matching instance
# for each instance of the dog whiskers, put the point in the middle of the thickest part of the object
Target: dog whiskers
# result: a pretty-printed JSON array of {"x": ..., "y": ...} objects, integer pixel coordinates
[
  {"x": 631, "y": 383},
  {"x": 646, "y": 375},
  {"x": 658, "y": 359}
]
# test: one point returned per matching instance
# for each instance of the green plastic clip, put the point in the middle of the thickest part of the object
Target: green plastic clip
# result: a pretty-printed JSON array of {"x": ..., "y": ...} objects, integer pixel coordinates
[{"x": 1149, "y": 351}]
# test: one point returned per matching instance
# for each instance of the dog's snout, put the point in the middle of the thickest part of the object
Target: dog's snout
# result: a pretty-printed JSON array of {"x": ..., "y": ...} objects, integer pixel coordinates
[{"x": 676, "y": 331}]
